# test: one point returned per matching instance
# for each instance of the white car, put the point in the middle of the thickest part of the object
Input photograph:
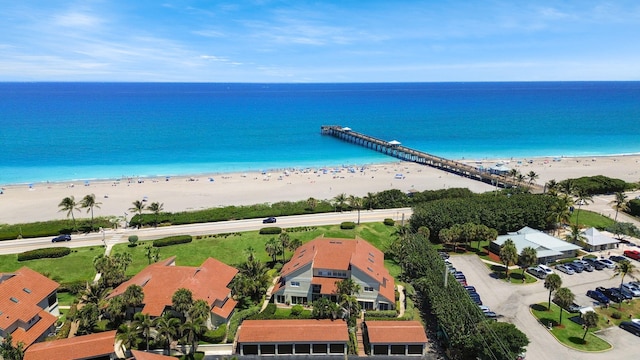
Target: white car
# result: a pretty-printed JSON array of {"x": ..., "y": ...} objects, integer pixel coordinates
[
  {"x": 632, "y": 289},
  {"x": 565, "y": 269},
  {"x": 608, "y": 263},
  {"x": 547, "y": 270}
]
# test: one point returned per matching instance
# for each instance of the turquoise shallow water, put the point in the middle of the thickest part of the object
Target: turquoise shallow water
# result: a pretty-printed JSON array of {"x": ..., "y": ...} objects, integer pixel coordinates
[{"x": 71, "y": 131}]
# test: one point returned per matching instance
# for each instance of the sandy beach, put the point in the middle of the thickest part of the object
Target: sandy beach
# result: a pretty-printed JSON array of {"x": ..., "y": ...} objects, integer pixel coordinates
[{"x": 24, "y": 203}]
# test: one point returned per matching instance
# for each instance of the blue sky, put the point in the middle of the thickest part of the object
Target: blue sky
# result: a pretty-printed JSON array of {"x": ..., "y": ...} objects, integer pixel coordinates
[{"x": 319, "y": 41}]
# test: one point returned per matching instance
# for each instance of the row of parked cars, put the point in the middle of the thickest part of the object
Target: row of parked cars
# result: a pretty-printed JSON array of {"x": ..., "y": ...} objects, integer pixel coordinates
[
  {"x": 471, "y": 290},
  {"x": 626, "y": 291}
]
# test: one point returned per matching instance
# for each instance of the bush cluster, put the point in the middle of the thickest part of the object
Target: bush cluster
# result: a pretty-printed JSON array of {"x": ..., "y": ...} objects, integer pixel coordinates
[
  {"x": 74, "y": 287},
  {"x": 634, "y": 207},
  {"x": 389, "y": 222},
  {"x": 272, "y": 230},
  {"x": 54, "y": 252},
  {"x": 237, "y": 318},
  {"x": 215, "y": 336},
  {"x": 172, "y": 240},
  {"x": 301, "y": 229},
  {"x": 347, "y": 225},
  {"x": 380, "y": 314},
  {"x": 596, "y": 185}
]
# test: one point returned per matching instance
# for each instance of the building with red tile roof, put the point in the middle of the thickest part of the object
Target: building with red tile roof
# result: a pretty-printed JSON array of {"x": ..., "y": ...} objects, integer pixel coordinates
[
  {"x": 210, "y": 282},
  {"x": 142, "y": 355},
  {"x": 316, "y": 267},
  {"x": 28, "y": 306},
  {"x": 293, "y": 337},
  {"x": 406, "y": 338},
  {"x": 93, "y": 346}
]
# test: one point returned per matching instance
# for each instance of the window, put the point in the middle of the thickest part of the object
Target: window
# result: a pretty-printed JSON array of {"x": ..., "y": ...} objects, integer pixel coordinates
[
  {"x": 27, "y": 290},
  {"x": 368, "y": 289},
  {"x": 295, "y": 283},
  {"x": 13, "y": 299}
]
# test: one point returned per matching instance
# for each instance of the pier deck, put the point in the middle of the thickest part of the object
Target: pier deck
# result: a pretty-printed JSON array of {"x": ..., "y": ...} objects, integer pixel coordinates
[{"x": 395, "y": 149}]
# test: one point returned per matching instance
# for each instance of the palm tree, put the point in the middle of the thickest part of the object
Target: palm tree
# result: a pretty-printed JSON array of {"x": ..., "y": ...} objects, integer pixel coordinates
[
  {"x": 552, "y": 282},
  {"x": 567, "y": 187},
  {"x": 128, "y": 336},
  {"x": 89, "y": 202},
  {"x": 514, "y": 173},
  {"x": 9, "y": 351},
  {"x": 312, "y": 203},
  {"x": 182, "y": 300},
  {"x": 532, "y": 176},
  {"x": 589, "y": 319},
  {"x": 138, "y": 207},
  {"x": 199, "y": 309},
  {"x": 508, "y": 254},
  {"x": 294, "y": 244},
  {"x": 167, "y": 328},
  {"x": 273, "y": 248},
  {"x": 356, "y": 203},
  {"x": 69, "y": 204},
  {"x": 191, "y": 330},
  {"x": 552, "y": 187},
  {"x": 446, "y": 237},
  {"x": 143, "y": 325},
  {"x": 88, "y": 318},
  {"x": 520, "y": 178},
  {"x": 582, "y": 197},
  {"x": 575, "y": 235},
  {"x": 371, "y": 200},
  {"x": 564, "y": 298},
  {"x": 156, "y": 208},
  {"x": 133, "y": 296},
  {"x": 117, "y": 310},
  {"x": 619, "y": 203},
  {"x": 94, "y": 294},
  {"x": 284, "y": 243},
  {"x": 528, "y": 257},
  {"x": 561, "y": 211},
  {"x": 624, "y": 268},
  {"x": 340, "y": 200}
]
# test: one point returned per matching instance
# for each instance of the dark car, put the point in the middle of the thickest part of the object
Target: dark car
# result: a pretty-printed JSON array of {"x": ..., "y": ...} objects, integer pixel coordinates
[
  {"x": 470, "y": 288},
  {"x": 617, "y": 258},
  {"x": 586, "y": 266},
  {"x": 576, "y": 267},
  {"x": 443, "y": 255},
  {"x": 630, "y": 326},
  {"x": 598, "y": 296},
  {"x": 476, "y": 298},
  {"x": 491, "y": 315},
  {"x": 269, "y": 220},
  {"x": 612, "y": 294},
  {"x": 63, "y": 237},
  {"x": 595, "y": 263}
]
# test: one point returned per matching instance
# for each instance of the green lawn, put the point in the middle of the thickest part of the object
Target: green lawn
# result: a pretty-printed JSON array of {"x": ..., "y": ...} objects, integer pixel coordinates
[
  {"x": 591, "y": 219},
  {"x": 627, "y": 311},
  {"x": 515, "y": 275},
  {"x": 77, "y": 266},
  {"x": 66, "y": 299},
  {"x": 569, "y": 333}
]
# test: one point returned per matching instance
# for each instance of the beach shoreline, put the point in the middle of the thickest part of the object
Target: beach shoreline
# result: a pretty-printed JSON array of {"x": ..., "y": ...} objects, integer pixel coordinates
[{"x": 22, "y": 203}]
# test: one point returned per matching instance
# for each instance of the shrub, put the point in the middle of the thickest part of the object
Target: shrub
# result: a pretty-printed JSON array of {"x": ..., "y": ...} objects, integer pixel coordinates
[
  {"x": 616, "y": 315},
  {"x": 296, "y": 310},
  {"x": 380, "y": 314},
  {"x": 55, "y": 252},
  {"x": 270, "y": 309},
  {"x": 215, "y": 336},
  {"x": 237, "y": 318},
  {"x": 272, "y": 230},
  {"x": 389, "y": 222},
  {"x": 133, "y": 239},
  {"x": 347, "y": 225},
  {"x": 634, "y": 207},
  {"x": 172, "y": 240},
  {"x": 74, "y": 287}
]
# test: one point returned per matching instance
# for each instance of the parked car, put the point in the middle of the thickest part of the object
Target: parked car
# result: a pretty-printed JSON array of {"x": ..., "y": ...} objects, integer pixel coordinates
[
  {"x": 537, "y": 272},
  {"x": 547, "y": 270},
  {"x": 614, "y": 296},
  {"x": 634, "y": 290},
  {"x": 484, "y": 308},
  {"x": 565, "y": 269},
  {"x": 585, "y": 265},
  {"x": 443, "y": 255},
  {"x": 598, "y": 296},
  {"x": 631, "y": 326},
  {"x": 607, "y": 263},
  {"x": 632, "y": 254},
  {"x": 491, "y": 315},
  {"x": 635, "y": 283},
  {"x": 595, "y": 263},
  {"x": 269, "y": 220},
  {"x": 476, "y": 298},
  {"x": 577, "y": 267},
  {"x": 617, "y": 258},
  {"x": 628, "y": 295},
  {"x": 459, "y": 275},
  {"x": 470, "y": 288},
  {"x": 63, "y": 237}
]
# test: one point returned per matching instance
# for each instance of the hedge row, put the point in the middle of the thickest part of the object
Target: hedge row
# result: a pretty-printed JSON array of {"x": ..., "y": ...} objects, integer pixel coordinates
[
  {"x": 380, "y": 314},
  {"x": 272, "y": 230},
  {"x": 236, "y": 320},
  {"x": 389, "y": 222},
  {"x": 215, "y": 336},
  {"x": 172, "y": 240},
  {"x": 54, "y": 252},
  {"x": 347, "y": 225}
]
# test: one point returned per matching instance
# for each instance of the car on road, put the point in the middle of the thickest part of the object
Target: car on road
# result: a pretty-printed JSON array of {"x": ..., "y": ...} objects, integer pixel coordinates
[
  {"x": 585, "y": 265},
  {"x": 632, "y": 254},
  {"x": 617, "y": 258},
  {"x": 577, "y": 267},
  {"x": 537, "y": 272},
  {"x": 269, "y": 220},
  {"x": 607, "y": 263},
  {"x": 612, "y": 294},
  {"x": 565, "y": 269},
  {"x": 595, "y": 263},
  {"x": 598, "y": 296},
  {"x": 631, "y": 326},
  {"x": 63, "y": 237},
  {"x": 547, "y": 270}
]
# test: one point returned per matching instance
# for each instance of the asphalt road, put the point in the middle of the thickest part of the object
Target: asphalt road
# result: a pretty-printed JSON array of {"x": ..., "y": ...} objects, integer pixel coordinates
[
  {"x": 111, "y": 237},
  {"x": 512, "y": 301}
]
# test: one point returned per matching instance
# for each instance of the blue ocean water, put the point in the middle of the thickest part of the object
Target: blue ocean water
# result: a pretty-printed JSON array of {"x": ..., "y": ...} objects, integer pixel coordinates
[{"x": 74, "y": 131}]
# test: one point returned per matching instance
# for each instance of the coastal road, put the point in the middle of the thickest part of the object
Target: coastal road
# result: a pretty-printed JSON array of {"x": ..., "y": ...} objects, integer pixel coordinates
[{"x": 112, "y": 237}]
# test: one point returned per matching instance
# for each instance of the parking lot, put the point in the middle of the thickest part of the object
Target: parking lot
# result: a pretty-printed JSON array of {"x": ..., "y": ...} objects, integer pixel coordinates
[{"x": 511, "y": 302}]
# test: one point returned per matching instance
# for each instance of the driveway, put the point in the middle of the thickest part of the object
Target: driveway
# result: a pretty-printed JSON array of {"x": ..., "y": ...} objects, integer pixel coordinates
[{"x": 511, "y": 303}]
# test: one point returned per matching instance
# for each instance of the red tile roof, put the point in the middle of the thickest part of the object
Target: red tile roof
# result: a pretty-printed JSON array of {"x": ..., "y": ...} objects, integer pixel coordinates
[
  {"x": 142, "y": 355},
  {"x": 79, "y": 347},
  {"x": 20, "y": 293},
  {"x": 327, "y": 285},
  {"x": 343, "y": 254},
  {"x": 396, "y": 332},
  {"x": 43, "y": 326},
  {"x": 160, "y": 281},
  {"x": 292, "y": 331}
]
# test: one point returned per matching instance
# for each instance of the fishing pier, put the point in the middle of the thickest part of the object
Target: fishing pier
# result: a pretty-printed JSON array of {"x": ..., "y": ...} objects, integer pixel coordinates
[{"x": 395, "y": 149}]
